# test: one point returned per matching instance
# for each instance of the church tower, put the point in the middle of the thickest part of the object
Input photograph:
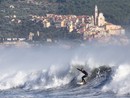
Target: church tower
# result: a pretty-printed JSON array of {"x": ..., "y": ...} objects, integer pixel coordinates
[
  {"x": 96, "y": 15},
  {"x": 101, "y": 20}
]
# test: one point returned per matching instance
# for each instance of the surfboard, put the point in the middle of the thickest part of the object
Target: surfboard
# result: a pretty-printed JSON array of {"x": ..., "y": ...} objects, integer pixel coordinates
[{"x": 81, "y": 83}]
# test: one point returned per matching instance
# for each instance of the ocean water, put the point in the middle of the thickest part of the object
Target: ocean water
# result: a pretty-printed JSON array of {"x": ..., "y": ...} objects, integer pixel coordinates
[{"x": 50, "y": 71}]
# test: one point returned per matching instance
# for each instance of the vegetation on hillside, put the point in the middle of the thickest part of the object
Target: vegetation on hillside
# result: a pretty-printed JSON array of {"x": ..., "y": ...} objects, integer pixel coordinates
[{"x": 115, "y": 11}]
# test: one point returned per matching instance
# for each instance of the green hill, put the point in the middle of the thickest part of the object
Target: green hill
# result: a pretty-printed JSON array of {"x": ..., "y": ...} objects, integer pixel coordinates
[{"x": 115, "y": 11}]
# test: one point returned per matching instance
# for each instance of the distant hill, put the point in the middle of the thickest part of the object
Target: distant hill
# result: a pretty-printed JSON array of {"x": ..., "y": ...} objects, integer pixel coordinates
[{"x": 115, "y": 11}]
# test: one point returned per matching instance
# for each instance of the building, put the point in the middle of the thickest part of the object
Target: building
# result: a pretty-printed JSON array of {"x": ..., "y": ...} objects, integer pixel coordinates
[
  {"x": 96, "y": 15},
  {"x": 63, "y": 23},
  {"x": 31, "y": 35},
  {"x": 71, "y": 27},
  {"x": 114, "y": 29},
  {"x": 101, "y": 20},
  {"x": 46, "y": 23}
]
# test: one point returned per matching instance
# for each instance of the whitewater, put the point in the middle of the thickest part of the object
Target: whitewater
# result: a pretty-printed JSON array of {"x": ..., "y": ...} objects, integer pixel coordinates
[{"x": 50, "y": 71}]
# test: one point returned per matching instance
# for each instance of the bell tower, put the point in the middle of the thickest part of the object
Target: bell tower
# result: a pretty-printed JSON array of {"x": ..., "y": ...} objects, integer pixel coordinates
[{"x": 96, "y": 15}]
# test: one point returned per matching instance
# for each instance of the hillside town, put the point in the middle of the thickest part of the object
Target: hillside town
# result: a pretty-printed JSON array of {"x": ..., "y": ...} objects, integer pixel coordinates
[{"x": 93, "y": 27}]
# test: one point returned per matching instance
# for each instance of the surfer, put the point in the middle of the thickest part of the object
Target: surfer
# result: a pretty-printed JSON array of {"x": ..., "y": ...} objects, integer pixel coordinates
[{"x": 85, "y": 74}]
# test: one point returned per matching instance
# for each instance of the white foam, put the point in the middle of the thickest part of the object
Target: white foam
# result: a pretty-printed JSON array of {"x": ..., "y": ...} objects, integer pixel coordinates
[
  {"x": 35, "y": 80},
  {"x": 120, "y": 80},
  {"x": 42, "y": 58},
  {"x": 12, "y": 81}
]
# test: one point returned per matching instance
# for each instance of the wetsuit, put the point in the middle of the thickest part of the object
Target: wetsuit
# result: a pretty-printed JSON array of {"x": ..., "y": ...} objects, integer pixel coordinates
[{"x": 85, "y": 74}]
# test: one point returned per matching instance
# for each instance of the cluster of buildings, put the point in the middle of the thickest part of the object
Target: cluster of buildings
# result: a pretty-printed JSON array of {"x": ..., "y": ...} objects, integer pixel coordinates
[
  {"x": 91, "y": 27},
  {"x": 28, "y": 1}
]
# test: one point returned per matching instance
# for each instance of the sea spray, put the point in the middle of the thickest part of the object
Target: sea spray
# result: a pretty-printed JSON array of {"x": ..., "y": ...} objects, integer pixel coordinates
[
  {"x": 37, "y": 68},
  {"x": 12, "y": 80},
  {"x": 38, "y": 79},
  {"x": 120, "y": 80}
]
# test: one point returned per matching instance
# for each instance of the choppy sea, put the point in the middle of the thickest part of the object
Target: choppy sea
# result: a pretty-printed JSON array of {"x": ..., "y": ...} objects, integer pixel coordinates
[{"x": 50, "y": 71}]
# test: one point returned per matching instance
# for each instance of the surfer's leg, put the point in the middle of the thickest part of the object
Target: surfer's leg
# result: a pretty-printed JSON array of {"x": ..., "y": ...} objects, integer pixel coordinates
[{"x": 83, "y": 80}]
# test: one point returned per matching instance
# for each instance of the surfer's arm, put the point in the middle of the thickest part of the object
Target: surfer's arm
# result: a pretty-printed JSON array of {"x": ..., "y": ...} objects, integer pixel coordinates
[{"x": 78, "y": 69}]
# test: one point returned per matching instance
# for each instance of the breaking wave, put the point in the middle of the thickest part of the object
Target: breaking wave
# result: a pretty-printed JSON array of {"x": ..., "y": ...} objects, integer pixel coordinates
[
  {"x": 120, "y": 80},
  {"x": 103, "y": 77},
  {"x": 106, "y": 66},
  {"x": 45, "y": 79}
]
